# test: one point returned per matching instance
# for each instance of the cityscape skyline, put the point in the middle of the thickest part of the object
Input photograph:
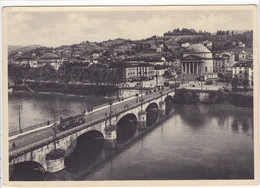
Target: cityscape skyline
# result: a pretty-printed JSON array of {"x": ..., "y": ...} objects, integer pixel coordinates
[{"x": 56, "y": 28}]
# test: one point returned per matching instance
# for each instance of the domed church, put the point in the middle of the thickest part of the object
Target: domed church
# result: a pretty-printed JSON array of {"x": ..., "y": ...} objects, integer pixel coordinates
[{"x": 197, "y": 59}]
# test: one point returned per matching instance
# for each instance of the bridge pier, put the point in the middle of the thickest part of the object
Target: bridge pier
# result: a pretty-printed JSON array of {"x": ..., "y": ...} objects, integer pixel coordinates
[
  {"x": 55, "y": 160},
  {"x": 141, "y": 120},
  {"x": 162, "y": 108},
  {"x": 110, "y": 136}
]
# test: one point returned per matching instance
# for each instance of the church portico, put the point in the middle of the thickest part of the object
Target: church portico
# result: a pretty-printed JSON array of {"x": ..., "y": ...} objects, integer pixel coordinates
[
  {"x": 191, "y": 67},
  {"x": 197, "y": 59}
]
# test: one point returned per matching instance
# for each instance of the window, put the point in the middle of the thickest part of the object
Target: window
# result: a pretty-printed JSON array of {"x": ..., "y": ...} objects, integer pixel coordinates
[{"x": 206, "y": 69}]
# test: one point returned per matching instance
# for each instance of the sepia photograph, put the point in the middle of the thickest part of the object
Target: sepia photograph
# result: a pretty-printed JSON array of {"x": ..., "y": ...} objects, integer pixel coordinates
[{"x": 130, "y": 94}]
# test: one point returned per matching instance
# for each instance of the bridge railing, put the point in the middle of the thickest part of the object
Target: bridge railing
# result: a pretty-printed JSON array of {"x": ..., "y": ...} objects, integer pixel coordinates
[
  {"x": 31, "y": 127},
  {"x": 78, "y": 128},
  {"x": 29, "y": 147},
  {"x": 13, "y": 133}
]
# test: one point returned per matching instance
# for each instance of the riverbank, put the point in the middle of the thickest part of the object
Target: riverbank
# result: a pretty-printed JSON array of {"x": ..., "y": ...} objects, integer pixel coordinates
[
  {"x": 185, "y": 96},
  {"x": 68, "y": 89}
]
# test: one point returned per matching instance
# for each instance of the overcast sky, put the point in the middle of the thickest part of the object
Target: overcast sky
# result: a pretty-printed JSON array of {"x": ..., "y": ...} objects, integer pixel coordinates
[{"x": 53, "y": 29}]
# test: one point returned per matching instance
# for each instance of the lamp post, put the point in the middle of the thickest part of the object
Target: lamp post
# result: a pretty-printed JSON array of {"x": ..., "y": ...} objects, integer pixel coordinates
[
  {"x": 175, "y": 86},
  {"x": 141, "y": 95},
  {"x": 156, "y": 76},
  {"x": 201, "y": 80},
  {"x": 55, "y": 136},
  {"x": 110, "y": 113},
  {"x": 54, "y": 115},
  {"x": 161, "y": 94},
  {"x": 20, "y": 108}
]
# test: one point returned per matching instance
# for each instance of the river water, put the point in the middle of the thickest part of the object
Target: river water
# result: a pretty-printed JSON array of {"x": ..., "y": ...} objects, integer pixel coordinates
[
  {"x": 38, "y": 108},
  {"x": 196, "y": 142}
]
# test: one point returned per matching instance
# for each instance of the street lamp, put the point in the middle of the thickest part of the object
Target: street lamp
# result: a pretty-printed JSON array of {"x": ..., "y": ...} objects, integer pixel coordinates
[
  {"x": 141, "y": 86},
  {"x": 156, "y": 76},
  {"x": 20, "y": 108},
  {"x": 55, "y": 136},
  {"x": 54, "y": 115},
  {"x": 161, "y": 94},
  {"x": 175, "y": 86},
  {"x": 110, "y": 114},
  {"x": 201, "y": 80}
]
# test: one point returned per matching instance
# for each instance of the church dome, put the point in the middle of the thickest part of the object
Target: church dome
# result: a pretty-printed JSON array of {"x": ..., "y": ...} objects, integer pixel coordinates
[{"x": 197, "y": 48}]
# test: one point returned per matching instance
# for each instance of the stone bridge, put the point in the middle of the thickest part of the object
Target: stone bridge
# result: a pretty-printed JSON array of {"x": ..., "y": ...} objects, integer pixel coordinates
[{"x": 111, "y": 123}]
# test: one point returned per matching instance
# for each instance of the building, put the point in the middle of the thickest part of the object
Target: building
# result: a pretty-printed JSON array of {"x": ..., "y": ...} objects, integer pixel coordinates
[
  {"x": 140, "y": 72},
  {"x": 207, "y": 43},
  {"x": 33, "y": 64},
  {"x": 241, "y": 44},
  {"x": 219, "y": 65},
  {"x": 160, "y": 72},
  {"x": 243, "y": 70},
  {"x": 242, "y": 55},
  {"x": 95, "y": 55},
  {"x": 130, "y": 74},
  {"x": 159, "y": 49},
  {"x": 185, "y": 45},
  {"x": 145, "y": 72},
  {"x": 56, "y": 64},
  {"x": 197, "y": 59}
]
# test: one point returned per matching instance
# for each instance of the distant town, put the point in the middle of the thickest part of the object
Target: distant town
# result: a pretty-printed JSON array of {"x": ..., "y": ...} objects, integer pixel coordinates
[{"x": 223, "y": 59}]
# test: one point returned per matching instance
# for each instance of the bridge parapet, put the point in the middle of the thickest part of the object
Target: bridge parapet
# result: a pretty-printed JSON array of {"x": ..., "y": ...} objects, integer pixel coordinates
[{"x": 65, "y": 133}]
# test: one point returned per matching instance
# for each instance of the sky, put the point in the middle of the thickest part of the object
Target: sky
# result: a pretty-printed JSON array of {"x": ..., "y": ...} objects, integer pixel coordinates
[{"x": 56, "y": 28}]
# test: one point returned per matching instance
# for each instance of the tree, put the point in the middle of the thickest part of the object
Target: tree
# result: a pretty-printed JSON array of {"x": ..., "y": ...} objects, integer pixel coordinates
[
  {"x": 245, "y": 84},
  {"x": 235, "y": 83}
]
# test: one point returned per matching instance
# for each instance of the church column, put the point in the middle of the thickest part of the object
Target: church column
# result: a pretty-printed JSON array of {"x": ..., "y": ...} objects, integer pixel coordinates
[
  {"x": 197, "y": 66},
  {"x": 186, "y": 64}
]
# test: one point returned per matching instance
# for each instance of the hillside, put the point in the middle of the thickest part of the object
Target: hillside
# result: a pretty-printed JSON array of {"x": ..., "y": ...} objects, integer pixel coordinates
[
  {"x": 23, "y": 49},
  {"x": 168, "y": 45},
  {"x": 12, "y": 48}
]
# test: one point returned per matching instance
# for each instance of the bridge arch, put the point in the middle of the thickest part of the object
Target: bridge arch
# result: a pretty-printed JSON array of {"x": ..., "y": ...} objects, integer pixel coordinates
[
  {"x": 84, "y": 151},
  {"x": 126, "y": 127},
  {"x": 27, "y": 171},
  {"x": 152, "y": 114}
]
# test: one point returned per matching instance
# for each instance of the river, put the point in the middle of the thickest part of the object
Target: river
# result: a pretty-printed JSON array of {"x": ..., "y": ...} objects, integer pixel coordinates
[
  {"x": 196, "y": 142},
  {"x": 39, "y": 108}
]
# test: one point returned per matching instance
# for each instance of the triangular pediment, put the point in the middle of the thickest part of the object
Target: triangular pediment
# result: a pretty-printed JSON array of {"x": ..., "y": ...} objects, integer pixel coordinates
[{"x": 191, "y": 57}]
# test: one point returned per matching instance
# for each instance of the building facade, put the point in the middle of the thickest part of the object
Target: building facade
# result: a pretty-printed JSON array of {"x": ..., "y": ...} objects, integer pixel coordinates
[
  {"x": 219, "y": 65},
  {"x": 197, "y": 59},
  {"x": 243, "y": 70},
  {"x": 135, "y": 73}
]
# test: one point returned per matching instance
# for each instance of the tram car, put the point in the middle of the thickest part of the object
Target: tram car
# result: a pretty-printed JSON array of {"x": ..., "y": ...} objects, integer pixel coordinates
[{"x": 71, "y": 122}]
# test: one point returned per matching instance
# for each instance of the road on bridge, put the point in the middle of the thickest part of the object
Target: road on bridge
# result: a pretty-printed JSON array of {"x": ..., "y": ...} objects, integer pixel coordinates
[{"x": 26, "y": 139}]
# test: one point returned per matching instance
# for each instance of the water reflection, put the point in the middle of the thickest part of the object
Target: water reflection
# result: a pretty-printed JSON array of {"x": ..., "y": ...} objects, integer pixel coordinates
[
  {"x": 194, "y": 116},
  {"x": 234, "y": 126},
  {"x": 190, "y": 145},
  {"x": 89, "y": 146}
]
